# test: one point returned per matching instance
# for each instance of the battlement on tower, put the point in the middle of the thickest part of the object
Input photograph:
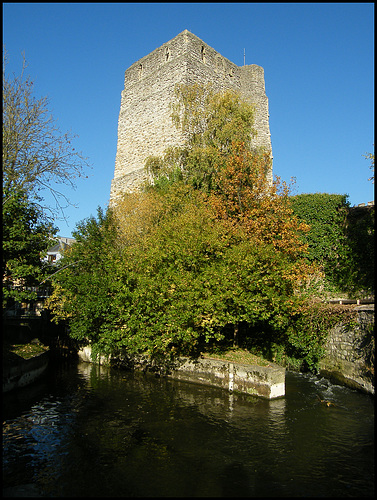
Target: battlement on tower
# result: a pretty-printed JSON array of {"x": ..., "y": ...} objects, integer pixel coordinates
[{"x": 145, "y": 127}]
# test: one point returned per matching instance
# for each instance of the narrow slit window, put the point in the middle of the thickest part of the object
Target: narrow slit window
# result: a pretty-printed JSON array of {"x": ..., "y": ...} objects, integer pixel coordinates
[
  {"x": 203, "y": 53},
  {"x": 218, "y": 65}
]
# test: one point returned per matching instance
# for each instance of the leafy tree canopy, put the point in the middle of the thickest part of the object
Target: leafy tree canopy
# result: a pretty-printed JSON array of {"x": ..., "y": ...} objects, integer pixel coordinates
[
  {"x": 187, "y": 279},
  {"x": 340, "y": 241},
  {"x": 27, "y": 234},
  {"x": 86, "y": 281},
  {"x": 37, "y": 158}
]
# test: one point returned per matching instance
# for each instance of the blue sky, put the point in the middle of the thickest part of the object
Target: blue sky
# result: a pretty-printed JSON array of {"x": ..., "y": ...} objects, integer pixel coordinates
[{"x": 318, "y": 60}]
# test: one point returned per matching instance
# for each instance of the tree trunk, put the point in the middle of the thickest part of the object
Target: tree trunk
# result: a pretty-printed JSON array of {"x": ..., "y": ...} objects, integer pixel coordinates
[{"x": 235, "y": 335}]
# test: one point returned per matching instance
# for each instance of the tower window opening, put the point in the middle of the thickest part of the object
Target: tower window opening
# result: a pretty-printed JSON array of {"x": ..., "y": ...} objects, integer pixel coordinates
[{"x": 203, "y": 53}]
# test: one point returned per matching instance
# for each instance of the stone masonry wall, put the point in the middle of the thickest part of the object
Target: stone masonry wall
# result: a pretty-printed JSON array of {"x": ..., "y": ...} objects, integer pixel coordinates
[
  {"x": 347, "y": 352},
  {"x": 145, "y": 127}
]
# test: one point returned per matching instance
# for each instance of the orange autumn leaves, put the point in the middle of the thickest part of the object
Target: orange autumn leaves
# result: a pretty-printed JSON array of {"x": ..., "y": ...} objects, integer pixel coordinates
[{"x": 245, "y": 196}]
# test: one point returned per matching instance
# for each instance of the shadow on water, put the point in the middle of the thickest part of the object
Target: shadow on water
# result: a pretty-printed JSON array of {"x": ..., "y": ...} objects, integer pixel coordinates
[{"x": 91, "y": 431}]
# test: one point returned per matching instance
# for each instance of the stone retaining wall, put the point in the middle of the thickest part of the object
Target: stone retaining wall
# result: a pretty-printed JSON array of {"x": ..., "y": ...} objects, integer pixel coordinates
[
  {"x": 265, "y": 381},
  {"x": 24, "y": 372},
  {"x": 348, "y": 352}
]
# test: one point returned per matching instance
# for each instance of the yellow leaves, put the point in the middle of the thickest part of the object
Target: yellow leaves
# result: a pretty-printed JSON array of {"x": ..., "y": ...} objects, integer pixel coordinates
[
  {"x": 136, "y": 214},
  {"x": 27, "y": 351},
  {"x": 57, "y": 301},
  {"x": 205, "y": 321}
]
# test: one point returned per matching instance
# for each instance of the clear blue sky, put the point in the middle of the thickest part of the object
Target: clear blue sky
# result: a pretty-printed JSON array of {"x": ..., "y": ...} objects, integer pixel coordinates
[{"x": 319, "y": 72}]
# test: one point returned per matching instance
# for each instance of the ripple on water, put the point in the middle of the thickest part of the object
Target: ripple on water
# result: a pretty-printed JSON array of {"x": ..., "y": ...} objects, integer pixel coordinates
[{"x": 97, "y": 432}]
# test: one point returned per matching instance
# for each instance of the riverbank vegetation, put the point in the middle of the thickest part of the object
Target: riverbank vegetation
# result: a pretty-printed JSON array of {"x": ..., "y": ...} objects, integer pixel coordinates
[
  {"x": 211, "y": 254},
  {"x": 340, "y": 240}
]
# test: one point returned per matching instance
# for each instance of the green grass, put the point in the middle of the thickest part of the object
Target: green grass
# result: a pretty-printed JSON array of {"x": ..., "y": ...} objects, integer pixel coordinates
[
  {"x": 238, "y": 355},
  {"x": 26, "y": 351}
]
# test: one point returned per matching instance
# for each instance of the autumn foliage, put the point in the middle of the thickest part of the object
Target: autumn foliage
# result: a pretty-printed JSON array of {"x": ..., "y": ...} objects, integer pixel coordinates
[
  {"x": 211, "y": 247},
  {"x": 243, "y": 194}
]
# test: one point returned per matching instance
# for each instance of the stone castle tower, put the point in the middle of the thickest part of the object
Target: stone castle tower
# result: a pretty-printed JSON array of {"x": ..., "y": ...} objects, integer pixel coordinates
[{"x": 145, "y": 127}]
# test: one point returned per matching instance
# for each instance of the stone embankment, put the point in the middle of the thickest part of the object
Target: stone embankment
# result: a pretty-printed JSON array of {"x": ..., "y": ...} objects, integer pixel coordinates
[
  {"x": 264, "y": 381},
  {"x": 349, "y": 353},
  {"x": 22, "y": 372}
]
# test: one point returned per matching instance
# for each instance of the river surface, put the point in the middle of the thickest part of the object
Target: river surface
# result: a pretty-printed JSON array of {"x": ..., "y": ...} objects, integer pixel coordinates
[{"x": 90, "y": 431}]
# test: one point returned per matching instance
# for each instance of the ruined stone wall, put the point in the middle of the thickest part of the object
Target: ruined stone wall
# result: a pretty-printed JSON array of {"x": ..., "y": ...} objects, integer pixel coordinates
[{"x": 145, "y": 127}]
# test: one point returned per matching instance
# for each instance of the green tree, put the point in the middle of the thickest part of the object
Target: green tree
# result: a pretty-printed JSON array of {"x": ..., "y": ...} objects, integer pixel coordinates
[
  {"x": 36, "y": 159},
  {"x": 193, "y": 278},
  {"x": 358, "y": 275},
  {"x": 27, "y": 234},
  {"x": 210, "y": 247},
  {"x": 163, "y": 272},
  {"x": 218, "y": 159},
  {"x": 326, "y": 215},
  {"x": 86, "y": 282},
  {"x": 340, "y": 240},
  {"x": 179, "y": 281},
  {"x": 231, "y": 181}
]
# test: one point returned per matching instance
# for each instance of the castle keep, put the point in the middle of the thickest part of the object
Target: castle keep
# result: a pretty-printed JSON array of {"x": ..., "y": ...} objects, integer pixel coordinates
[{"x": 145, "y": 127}]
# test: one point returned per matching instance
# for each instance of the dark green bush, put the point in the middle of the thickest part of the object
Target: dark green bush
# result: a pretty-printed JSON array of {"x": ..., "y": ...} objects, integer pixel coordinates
[{"x": 341, "y": 240}]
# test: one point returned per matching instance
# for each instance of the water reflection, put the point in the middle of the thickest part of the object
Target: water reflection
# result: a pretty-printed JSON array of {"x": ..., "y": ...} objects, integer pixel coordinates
[{"x": 98, "y": 432}]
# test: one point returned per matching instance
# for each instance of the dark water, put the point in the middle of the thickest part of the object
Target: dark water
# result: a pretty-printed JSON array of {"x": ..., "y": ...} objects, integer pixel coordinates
[{"x": 89, "y": 431}]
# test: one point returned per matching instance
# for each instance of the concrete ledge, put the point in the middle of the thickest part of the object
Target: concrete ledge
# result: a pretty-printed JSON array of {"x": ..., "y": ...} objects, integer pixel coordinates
[
  {"x": 24, "y": 371},
  {"x": 354, "y": 382},
  {"x": 264, "y": 381}
]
